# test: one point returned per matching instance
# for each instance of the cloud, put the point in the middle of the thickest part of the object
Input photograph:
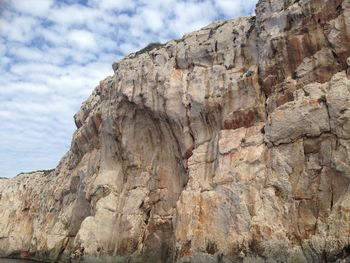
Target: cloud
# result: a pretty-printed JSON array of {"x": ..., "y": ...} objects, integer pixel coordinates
[
  {"x": 53, "y": 53},
  {"x": 154, "y": 19},
  {"x": 76, "y": 14},
  {"x": 26, "y": 53},
  {"x": 26, "y": 88},
  {"x": 231, "y": 8},
  {"x": 82, "y": 39},
  {"x": 32, "y": 7},
  {"x": 2, "y": 49},
  {"x": 119, "y": 5},
  {"x": 26, "y": 69},
  {"x": 17, "y": 28}
]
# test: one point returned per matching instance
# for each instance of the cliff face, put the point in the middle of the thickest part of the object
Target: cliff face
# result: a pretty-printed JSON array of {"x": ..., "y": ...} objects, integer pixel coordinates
[{"x": 231, "y": 144}]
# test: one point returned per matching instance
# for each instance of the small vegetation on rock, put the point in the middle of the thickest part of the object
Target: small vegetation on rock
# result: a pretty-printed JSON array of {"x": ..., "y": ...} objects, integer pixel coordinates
[
  {"x": 149, "y": 47},
  {"x": 46, "y": 172}
]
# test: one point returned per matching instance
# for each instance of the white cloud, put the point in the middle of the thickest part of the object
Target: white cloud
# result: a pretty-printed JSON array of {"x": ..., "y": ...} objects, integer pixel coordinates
[
  {"x": 189, "y": 16},
  {"x": 24, "y": 69},
  {"x": 228, "y": 7},
  {"x": 235, "y": 8},
  {"x": 2, "y": 49},
  {"x": 32, "y": 7},
  {"x": 119, "y": 5},
  {"x": 73, "y": 15},
  {"x": 82, "y": 39},
  {"x": 24, "y": 87},
  {"x": 127, "y": 48},
  {"x": 154, "y": 19},
  {"x": 17, "y": 28},
  {"x": 26, "y": 53}
]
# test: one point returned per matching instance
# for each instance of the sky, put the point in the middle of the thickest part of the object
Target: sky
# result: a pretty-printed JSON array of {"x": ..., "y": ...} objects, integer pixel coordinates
[{"x": 53, "y": 53}]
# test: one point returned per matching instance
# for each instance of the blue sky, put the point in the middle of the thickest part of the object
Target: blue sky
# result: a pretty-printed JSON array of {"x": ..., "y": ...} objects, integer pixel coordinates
[{"x": 54, "y": 52}]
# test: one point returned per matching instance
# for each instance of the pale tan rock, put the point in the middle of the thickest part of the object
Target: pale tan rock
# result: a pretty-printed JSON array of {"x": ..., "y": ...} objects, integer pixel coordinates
[
  {"x": 230, "y": 140},
  {"x": 305, "y": 117},
  {"x": 338, "y": 101}
]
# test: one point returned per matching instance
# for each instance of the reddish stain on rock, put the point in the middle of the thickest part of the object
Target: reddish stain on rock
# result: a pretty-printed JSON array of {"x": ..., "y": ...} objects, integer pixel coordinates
[
  {"x": 284, "y": 98},
  {"x": 240, "y": 119}
]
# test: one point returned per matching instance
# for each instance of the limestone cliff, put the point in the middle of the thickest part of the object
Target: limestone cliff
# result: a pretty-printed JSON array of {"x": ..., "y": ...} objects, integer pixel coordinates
[{"x": 231, "y": 144}]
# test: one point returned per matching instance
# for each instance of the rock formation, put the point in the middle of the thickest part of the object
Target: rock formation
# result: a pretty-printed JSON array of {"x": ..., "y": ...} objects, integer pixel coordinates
[{"x": 229, "y": 145}]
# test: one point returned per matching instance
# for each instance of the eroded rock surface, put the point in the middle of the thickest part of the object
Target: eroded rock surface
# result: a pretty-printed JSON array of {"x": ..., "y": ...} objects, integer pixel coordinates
[{"x": 229, "y": 145}]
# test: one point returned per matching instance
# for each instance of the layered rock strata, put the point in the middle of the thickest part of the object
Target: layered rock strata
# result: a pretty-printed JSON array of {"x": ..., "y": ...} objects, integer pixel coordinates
[{"x": 229, "y": 145}]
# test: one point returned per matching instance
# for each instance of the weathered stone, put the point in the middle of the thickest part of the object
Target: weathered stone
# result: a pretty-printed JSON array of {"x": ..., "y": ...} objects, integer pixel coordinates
[
  {"x": 231, "y": 144},
  {"x": 338, "y": 101},
  {"x": 301, "y": 118}
]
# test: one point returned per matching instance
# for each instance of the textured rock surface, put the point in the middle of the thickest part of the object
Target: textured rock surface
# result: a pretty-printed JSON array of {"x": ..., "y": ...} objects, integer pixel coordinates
[{"x": 229, "y": 145}]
